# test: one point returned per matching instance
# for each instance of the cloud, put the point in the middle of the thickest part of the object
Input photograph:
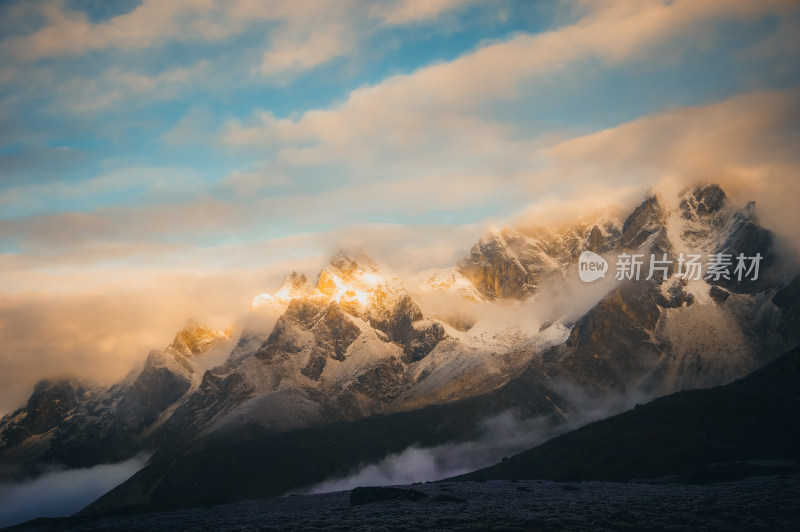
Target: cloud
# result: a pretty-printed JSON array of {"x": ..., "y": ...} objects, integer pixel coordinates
[
  {"x": 97, "y": 310},
  {"x": 65, "y": 69},
  {"x": 201, "y": 218},
  {"x": 135, "y": 185},
  {"x": 557, "y": 300},
  {"x": 746, "y": 143},
  {"x": 62, "y": 493},
  {"x": 292, "y": 53},
  {"x": 439, "y": 114},
  {"x": 407, "y": 11},
  {"x": 99, "y": 326},
  {"x": 782, "y": 42},
  {"x": 500, "y": 436},
  {"x": 150, "y": 23},
  {"x": 307, "y": 34},
  {"x": 116, "y": 86},
  {"x": 503, "y": 435}
]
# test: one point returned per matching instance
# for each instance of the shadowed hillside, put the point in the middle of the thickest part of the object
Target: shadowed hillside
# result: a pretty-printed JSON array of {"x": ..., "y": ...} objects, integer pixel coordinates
[{"x": 757, "y": 417}]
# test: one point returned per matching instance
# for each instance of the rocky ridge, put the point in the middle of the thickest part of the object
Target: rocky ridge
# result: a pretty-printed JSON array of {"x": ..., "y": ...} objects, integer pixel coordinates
[{"x": 358, "y": 342}]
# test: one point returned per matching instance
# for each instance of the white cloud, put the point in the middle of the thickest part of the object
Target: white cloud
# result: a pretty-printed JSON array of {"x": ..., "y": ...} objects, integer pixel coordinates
[
  {"x": 62, "y": 493},
  {"x": 119, "y": 87},
  {"x": 747, "y": 144},
  {"x": 151, "y": 23},
  {"x": 302, "y": 35},
  {"x": 297, "y": 51},
  {"x": 135, "y": 184},
  {"x": 407, "y": 11},
  {"x": 441, "y": 108}
]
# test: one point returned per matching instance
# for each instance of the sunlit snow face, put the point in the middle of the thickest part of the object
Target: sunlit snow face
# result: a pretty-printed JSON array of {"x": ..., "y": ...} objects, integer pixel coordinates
[
  {"x": 372, "y": 279},
  {"x": 356, "y": 288},
  {"x": 362, "y": 298},
  {"x": 262, "y": 300}
]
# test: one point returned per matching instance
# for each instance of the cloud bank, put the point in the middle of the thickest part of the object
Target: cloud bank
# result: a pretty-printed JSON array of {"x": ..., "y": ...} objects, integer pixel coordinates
[
  {"x": 500, "y": 436},
  {"x": 62, "y": 493}
]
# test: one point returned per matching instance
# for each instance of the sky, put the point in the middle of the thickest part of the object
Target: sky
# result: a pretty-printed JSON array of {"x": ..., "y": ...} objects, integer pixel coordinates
[{"x": 161, "y": 160}]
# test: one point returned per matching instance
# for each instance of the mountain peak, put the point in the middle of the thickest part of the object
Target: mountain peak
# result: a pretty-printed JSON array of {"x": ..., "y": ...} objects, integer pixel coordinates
[
  {"x": 195, "y": 338},
  {"x": 352, "y": 267},
  {"x": 701, "y": 201},
  {"x": 646, "y": 227},
  {"x": 353, "y": 281},
  {"x": 346, "y": 279},
  {"x": 353, "y": 343},
  {"x": 344, "y": 262},
  {"x": 294, "y": 285}
]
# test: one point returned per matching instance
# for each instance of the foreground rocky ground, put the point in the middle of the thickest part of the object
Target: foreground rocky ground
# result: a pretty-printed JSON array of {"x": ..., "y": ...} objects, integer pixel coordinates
[{"x": 760, "y": 503}]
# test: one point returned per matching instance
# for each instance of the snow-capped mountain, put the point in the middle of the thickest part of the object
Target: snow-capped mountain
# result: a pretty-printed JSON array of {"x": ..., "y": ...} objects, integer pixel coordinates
[
  {"x": 505, "y": 263},
  {"x": 353, "y": 345},
  {"x": 448, "y": 281},
  {"x": 359, "y": 342},
  {"x": 68, "y": 423},
  {"x": 661, "y": 335}
]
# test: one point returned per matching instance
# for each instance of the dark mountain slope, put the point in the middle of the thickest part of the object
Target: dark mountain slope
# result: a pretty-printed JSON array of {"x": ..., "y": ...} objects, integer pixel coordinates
[
  {"x": 228, "y": 467},
  {"x": 757, "y": 417}
]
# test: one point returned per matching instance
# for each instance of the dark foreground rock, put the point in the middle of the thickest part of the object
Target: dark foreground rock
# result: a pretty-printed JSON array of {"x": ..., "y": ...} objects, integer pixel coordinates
[
  {"x": 760, "y": 503},
  {"x": 369, "y": 494}
]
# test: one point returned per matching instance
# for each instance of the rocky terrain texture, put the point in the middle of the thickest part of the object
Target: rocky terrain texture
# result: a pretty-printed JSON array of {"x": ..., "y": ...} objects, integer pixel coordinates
[
  {"x": 755, "y": 418},
  {"x": 760, "y": 503},
  {"x": 724, "y": 458},
  {"x": 509, "y": 264}
]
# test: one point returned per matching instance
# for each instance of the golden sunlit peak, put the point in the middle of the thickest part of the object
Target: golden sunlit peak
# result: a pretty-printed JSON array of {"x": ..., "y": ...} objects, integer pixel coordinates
[
  {"x": 293, "y": 285},
  {"x": 284, "y": 295},
  {"x": 372, "y": 279},
  {"x": 355, "y": 288},
  {"x": 263, "y": 299},
  {"x": 350, "y": 282},
  {"x": 362, "y": 297},
  {"x": 344, "y": 280}
]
